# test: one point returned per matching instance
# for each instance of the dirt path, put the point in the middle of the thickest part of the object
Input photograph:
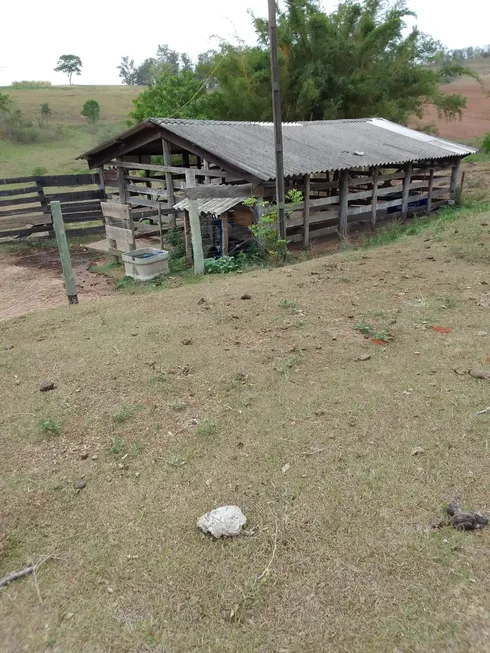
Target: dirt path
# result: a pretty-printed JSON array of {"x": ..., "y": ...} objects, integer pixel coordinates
[{"x": 32, "y": 280}]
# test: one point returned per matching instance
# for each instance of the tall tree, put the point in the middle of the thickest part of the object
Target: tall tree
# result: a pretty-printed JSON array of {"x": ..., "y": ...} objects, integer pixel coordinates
[
  {"x": 128, "y": 72},
  {"x": 45, "y": 111},
  {"x": 168, "y": 58},
  {"x": 356, "y": 61},
  {"x": 172, "y": 96},
  {"x": 91, "y": 110},
  {"x": 69, "y": 64}
]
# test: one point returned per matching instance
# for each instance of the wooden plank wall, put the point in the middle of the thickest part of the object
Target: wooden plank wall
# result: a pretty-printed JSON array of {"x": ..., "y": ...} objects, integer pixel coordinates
[
  {"x": 24, "y": 202},
  {"x": 338, "y": 200}
]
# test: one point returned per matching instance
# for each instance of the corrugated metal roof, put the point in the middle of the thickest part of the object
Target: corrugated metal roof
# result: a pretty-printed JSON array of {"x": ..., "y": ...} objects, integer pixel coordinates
[
  {"x": 311, "y": 147},
  {"x": 213, "y": 206}
]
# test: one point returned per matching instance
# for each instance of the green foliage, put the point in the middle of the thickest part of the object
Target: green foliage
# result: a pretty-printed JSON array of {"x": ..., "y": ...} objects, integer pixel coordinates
[
  {"x": 207, "y": 428},
  {"x": 31, "y": 84},
  {"x": 39, "y": 171},
  {"x": 357, "y": 61},
  {"x": 122, "y": 415},
  {"x": 45, "y": 111},
  {"x": 49, "y": 427},
  {"x": 221, "y": 265},
  {"x": 266, "y": 229},
  {"x": 173, "y": 96},
  {"x": 91, "y": 111},
  {"x": 116, "y": 445},
  {"x": 69, "y": 64},
  {"x": 166, "y": 61},
  {"x": 486, "y": 143}
]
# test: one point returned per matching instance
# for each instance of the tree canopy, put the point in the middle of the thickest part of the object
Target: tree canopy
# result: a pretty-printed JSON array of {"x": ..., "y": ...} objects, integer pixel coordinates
[
  {"x": 70, "y": 64},
  {"x": 91, "y": 110},
  {"x": 356, "y": 61}
]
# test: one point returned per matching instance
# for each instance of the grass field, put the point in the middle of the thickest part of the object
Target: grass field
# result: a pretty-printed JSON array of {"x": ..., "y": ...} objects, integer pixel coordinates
[
  {"x": 173, "y": 402},
  {"x": 66, "y": 102}
]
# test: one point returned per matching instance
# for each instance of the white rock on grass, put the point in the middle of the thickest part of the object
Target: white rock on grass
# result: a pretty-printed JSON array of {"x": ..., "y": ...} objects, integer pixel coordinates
[{"x": 225, "y": 521}]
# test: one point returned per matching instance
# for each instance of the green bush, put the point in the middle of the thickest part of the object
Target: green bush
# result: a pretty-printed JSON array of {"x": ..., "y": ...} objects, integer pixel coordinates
[
  {"x": 25, "y": 134},
  {"x": 486, "y": 143},
  {"x": 39, "y": 171},
  {"x": 30, "y": 84},
  {"x": 221, "y": 265}
]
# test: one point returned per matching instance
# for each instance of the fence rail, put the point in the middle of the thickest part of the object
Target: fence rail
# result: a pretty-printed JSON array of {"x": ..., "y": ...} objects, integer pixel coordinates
[{"x": 24, "y": 203}]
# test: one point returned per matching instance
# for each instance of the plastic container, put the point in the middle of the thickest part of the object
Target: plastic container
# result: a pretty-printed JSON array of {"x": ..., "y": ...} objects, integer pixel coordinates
[{"x": 146, "y": 263}]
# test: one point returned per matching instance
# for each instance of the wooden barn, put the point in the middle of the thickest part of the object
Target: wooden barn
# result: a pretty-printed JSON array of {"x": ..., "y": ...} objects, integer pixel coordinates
[{"x": 349, "y": 171}]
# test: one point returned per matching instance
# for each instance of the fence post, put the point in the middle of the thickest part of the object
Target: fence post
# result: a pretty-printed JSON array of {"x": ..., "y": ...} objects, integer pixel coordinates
[
  {"x": 59, "y": 229},
  {"x": 196, "y": 237}
]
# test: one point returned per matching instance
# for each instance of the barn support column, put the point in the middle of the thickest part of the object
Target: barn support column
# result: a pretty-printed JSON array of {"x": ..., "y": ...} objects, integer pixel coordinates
[
  {"x": 430, "y": 189},
  {"x": 306, "y": 212},
  {"x": 453, "y": 189},
  {"x": 406, "y": 189},
  {"x": 374, "y": 199},
  {"x": 344, "y": 201},
  {"x": 169, "y": 181}
]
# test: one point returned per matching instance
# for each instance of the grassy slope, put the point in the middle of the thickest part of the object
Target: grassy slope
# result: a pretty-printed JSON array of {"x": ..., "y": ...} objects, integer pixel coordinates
[
  {"x": 65, "y": 103},
  {"x": 339, "y": 556}
]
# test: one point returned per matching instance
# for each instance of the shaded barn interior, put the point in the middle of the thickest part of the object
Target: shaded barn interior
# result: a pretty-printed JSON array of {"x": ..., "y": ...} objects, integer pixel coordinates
[{"x": 349, "y": 171}]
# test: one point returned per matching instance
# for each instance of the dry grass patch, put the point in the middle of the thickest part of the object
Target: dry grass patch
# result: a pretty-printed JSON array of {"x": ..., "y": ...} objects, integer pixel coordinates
[{"x": 338, "y": 553}]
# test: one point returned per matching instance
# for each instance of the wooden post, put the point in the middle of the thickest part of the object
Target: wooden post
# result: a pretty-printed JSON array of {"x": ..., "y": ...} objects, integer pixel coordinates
[
  {"x": 374, "y": 199},
  {"x": 344, "y": 201},
  {"x": 431, "y": 188},
  {"x": 454, "y": 181},
  {"x": 188, "y": 252},
  {"x": 207, "y": 180},
  {"x": 101, "y": 185},
  {"x": 224, "y": 234},
  {"x": 59, "y": 229},
  {"x": 169, "y": 180},
  {"x": 160, "y": 224},
  {"x": 121, "y": 184},
  {"x": 406, "y": 189},
  {"x": 277, "y": 118},
  {"x": 196, "y": 238},
  {"x": 306, "y": 219}
]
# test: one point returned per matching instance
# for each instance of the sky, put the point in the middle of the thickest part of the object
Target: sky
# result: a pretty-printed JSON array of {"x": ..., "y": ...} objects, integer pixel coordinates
[{"x": 35, "y": 34}]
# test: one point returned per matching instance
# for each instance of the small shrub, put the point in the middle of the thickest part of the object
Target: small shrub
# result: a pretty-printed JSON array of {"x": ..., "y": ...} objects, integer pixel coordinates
[
  {"x": 486, "y": 143},
  {"x": 39, "y": 171},
  {"x": 365, "y": 328},
  {"x": 31, "y": 84},
  {"x": 207, "y": 428},
  {"x": 221, "y": 265},
  {"x": 91, "y": 111},
  {"x": 25, "y": 134},
  {"x": 123, "y": 415},
  {"x": 290, "y": 305},
  {"x": 116, "y": 445},
  {"x": 49, "y": 427},
  {"x": 178, "y": 405}
]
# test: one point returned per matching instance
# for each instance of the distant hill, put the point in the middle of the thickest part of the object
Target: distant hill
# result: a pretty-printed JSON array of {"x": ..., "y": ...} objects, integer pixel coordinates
[
  {"x": 476, "y": 116},
  {"x": 66, "y": 102}
]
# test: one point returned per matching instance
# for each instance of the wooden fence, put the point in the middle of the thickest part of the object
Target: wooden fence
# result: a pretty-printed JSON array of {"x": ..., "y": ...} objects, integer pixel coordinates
[{"x": 24, "y": 203}]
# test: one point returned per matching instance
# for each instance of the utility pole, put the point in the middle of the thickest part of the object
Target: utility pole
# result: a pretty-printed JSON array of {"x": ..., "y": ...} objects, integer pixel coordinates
[{"x": 276, "y": 109}]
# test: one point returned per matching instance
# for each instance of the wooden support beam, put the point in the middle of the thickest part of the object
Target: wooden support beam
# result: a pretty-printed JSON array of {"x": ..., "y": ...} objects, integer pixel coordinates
[
  {"x": 374, "y": 198},
  {"x": 195, "y": 226},
  {"x": 306, "y": 218},
  {"x": 122, "y": 186},
  {"x": 407, "y": 179},
  {"x": 431, "y": 188},
  {"x": 453, "y": 188},
  {"x": 173, "y": 169},
  {"x": 59, "y": 229},
  {"x": 224, "y": 234},
  {"x": 344, "y": 201},
  {"x": 207, "y": 180},
  {"x": 169, "y": 182},
  {"x": 187, "y": 238}
]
